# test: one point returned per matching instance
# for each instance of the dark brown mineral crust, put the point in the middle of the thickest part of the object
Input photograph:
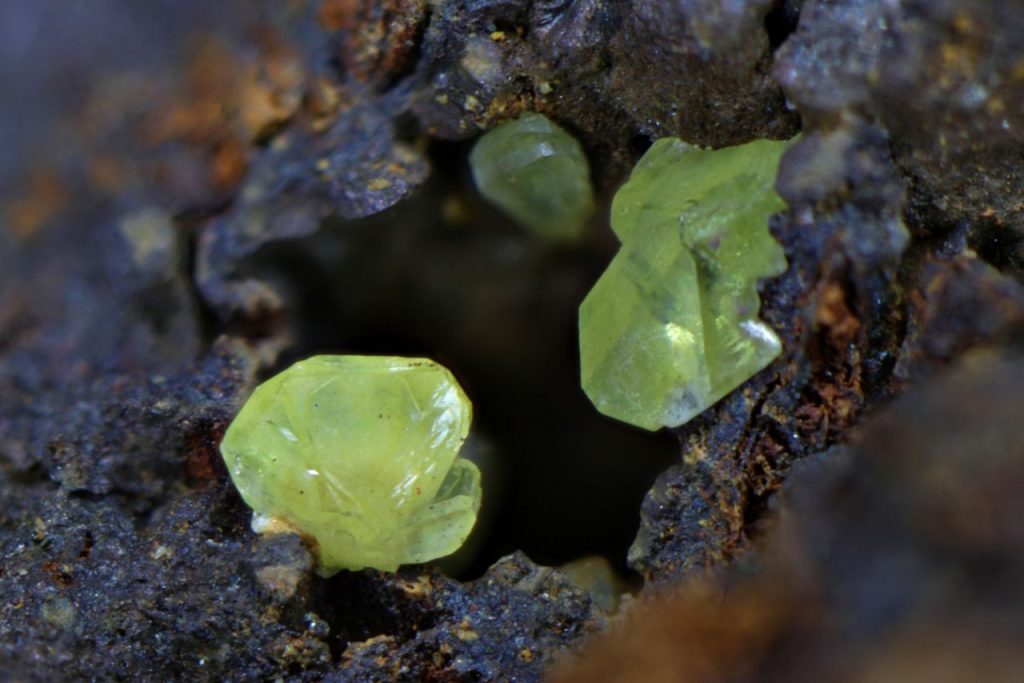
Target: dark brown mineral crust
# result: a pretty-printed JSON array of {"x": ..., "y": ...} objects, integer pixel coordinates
[
  {"x": 944, "y": 79},
  {"x": 893, "y": 558},
  {"x": 860, "y": 313},
  {"x": 194, "y": 194},
  {"x": 616, "y": 73}
]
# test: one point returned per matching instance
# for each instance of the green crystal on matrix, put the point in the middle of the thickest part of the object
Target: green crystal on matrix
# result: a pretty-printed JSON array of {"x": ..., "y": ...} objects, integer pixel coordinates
[
  {"x": 671, "y": 326},
  {"x": 536, "y": 173},
  {"x": 361, "y": 454}
]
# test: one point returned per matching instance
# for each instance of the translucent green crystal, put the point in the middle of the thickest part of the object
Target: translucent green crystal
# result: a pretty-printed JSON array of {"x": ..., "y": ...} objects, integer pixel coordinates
[
  {"x": 536, "y": 173},
  {"x": 361, "y": 454},
  {"x": 671, "y": 326}
]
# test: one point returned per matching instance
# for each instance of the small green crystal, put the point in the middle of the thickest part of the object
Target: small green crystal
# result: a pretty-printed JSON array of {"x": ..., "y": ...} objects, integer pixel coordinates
[
  {"x": 537, "y": 174},
  {"x": 671, "y": 326},
  {"x": 361, "y": 454}
]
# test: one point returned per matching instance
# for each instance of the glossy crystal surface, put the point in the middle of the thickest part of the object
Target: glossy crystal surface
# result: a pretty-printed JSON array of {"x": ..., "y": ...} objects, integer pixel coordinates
[
  {"x": 536, "y": 173},
  {"x": 361, "y": 454},
  {"x": 671, "y": 326}
]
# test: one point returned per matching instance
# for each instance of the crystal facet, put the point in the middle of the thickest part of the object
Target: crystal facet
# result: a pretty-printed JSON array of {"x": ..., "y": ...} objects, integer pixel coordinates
[
  {"x": 361, "y": 454},
  {"x": 671, "y": 326},
  {"x": 537, "y": 174}
]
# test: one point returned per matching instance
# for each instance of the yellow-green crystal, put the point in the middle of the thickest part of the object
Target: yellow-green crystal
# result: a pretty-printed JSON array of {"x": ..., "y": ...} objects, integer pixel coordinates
[
  {"x": 536, "y": 173},
  {"x": 361, "y": 454},
  {"x": 671, "y": 326}
]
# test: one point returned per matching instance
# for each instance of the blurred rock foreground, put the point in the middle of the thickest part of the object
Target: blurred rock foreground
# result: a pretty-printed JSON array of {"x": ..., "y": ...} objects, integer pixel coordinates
[{"x": 192, "y": 195}]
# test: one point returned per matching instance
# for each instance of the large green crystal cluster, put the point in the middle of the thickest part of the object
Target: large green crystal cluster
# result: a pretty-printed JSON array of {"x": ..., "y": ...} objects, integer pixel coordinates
[
  {"x": 361, "y": 454},
  {"x": 537, "y": 174},
  {"x": 671, "y": 326}
]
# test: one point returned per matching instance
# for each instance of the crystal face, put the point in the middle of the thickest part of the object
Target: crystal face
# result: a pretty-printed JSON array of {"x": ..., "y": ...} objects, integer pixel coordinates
[
  {"x": 536, "y": 173},
  {"x": 671, "y": 326},
  {"x": 360, "y": 453}
]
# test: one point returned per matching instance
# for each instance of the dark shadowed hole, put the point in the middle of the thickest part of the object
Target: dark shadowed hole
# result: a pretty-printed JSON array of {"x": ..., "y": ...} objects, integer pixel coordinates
[
  {"x": 781, "y": 21},
  {"x": 508, "y": 27},
  {"x": 445, "y": 276},
  {"x": 639, "y": 144},
  {"x": 999, "y": 245}
]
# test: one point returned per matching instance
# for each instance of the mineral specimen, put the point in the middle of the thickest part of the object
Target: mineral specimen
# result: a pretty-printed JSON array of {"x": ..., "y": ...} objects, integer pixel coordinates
[
  {"x": 537, "y": 174},
  {"x": 671, "y": 326},
  {"x": 361, "y": 454}
]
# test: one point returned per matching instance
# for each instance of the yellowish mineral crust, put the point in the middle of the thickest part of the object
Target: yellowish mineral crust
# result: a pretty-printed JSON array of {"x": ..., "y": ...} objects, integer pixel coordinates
[{"x": 359, "y": 453}]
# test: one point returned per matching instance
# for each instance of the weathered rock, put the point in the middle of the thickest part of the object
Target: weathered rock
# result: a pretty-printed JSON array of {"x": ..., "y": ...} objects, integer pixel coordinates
[
  {"x": 183, "y": 203},
  {"x": 944, "y": 79},
  {"x": 895, "y": 556},
  {"x": 510, "y": 623},
  {"x": 618, "y": 74},
  {"x": 843, "y": 310},
  {"x": 354, "y": 169}
]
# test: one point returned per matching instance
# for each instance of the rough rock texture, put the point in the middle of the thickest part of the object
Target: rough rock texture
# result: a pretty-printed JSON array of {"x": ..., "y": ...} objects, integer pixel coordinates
[
  {"x": 618, "y": 74},
  {"x": 859, "y": 314},
  {"x": 184, "y": 228},
  {"x": 709, "y": 63},
  {"x": 944, "y": 78},
  {"x": 504, "y": 626},
  {"x": 894, "y": 558},
  {"x": 125, "y": 552},
  {"x": 872, "y": 81},
  {"x": 353, "y": 169}
]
